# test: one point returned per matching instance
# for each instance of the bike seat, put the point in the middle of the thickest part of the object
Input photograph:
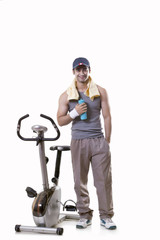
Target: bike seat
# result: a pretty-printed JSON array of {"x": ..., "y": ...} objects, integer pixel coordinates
[{"x": 60, "y": 148}]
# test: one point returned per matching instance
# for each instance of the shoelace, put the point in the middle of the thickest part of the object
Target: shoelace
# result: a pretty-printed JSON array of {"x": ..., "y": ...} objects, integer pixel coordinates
[
  {"x": 82, "y": 220},
  {"x": 109, "y": 220}
]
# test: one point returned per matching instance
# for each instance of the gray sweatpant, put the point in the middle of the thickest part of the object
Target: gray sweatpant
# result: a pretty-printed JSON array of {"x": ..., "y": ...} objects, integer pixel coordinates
[{"x": 95, "y": 151}]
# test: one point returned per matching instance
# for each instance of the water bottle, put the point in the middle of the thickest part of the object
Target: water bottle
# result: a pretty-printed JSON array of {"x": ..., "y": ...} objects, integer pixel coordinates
[{"x": 83, "y": 115}]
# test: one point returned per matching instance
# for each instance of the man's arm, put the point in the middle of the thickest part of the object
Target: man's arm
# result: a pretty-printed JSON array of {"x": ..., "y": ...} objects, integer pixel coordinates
[
  {"x": 106, "y": 113},
  {"x": 63, "y": 117}
]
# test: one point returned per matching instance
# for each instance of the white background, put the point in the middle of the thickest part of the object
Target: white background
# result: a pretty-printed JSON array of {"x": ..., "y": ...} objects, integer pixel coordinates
[{"x": 38, "y": 42}]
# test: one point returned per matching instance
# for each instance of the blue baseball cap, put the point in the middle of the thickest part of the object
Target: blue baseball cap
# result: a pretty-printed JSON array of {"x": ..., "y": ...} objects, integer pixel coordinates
[{"x": 81, "y": 61}]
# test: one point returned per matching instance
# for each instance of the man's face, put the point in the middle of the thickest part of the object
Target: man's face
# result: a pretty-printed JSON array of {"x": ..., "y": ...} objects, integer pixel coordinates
[{"x": 81, "y": 73}]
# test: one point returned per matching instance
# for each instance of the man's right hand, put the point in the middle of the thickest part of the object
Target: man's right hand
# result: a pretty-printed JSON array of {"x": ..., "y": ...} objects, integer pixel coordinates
[{"x": 81, "y": 108}]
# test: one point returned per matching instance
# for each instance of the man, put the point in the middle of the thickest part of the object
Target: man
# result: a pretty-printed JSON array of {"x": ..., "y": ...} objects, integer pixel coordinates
[{"x": 88, "y": 144}]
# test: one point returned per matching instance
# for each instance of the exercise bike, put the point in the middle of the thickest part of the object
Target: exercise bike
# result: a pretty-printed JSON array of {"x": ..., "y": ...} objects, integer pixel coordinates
[{"x": 46, "y": 204}]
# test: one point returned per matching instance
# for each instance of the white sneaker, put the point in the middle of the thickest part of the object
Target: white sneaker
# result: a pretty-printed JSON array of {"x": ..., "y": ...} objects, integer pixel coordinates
[
  {"x": 83, "y": 223},
  {"x": 108, "y": 223}
]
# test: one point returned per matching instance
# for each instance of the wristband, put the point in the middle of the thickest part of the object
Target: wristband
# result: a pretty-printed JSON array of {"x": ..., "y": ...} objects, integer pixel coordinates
[{"x": 73, "y": 114}]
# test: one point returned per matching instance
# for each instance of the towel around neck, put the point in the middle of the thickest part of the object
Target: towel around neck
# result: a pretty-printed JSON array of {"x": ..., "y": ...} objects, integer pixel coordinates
[{"x": 91, "y": 91}]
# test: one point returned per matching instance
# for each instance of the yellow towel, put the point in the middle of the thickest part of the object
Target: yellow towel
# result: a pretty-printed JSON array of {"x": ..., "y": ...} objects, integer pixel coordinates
[{"x": 92, "y": 90}]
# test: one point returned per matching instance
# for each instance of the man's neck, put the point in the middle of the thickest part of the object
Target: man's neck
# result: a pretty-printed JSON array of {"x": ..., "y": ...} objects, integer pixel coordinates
[{"x": 82, "y": 87}]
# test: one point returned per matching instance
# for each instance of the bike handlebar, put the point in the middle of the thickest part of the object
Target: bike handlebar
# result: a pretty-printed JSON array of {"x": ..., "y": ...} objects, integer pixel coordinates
[{"x": 37, "y": 138}]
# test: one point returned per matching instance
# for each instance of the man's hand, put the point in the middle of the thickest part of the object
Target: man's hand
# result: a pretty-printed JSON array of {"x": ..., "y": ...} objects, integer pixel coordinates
[
  {"x": 108, "y": 141},
  {"x": 81, "y": 108}
]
